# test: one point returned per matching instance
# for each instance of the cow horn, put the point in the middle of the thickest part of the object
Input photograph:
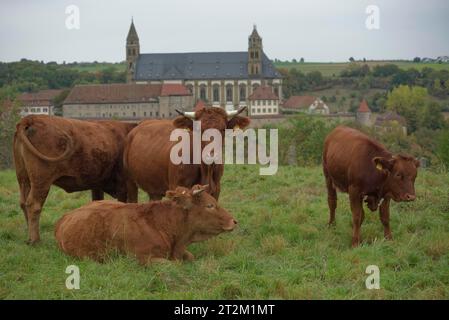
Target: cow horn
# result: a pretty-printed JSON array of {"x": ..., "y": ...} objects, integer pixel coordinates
[
  {"x": 197, "y": 192},
  {"x": 188, "y": 114},
  {"x": 234, "y": 113}
]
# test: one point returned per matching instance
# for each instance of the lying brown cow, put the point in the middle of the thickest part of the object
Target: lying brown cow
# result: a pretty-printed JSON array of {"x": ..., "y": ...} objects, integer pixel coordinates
[
  {"x": 360, "y": 166},
  {"x": 151, "y": 232},
  {"x": 147, "y": 153},
  {"x": 72, "y": 154}
]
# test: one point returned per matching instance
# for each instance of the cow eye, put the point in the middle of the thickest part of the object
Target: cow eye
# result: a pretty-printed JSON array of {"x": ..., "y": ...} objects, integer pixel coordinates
[{"x": 210, "y": 206}]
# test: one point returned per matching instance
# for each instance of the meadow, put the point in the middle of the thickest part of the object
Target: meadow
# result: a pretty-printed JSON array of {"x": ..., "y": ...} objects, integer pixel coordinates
[
  {"x": 282, "y": 248},
  {"x": 333, "y": 69}
]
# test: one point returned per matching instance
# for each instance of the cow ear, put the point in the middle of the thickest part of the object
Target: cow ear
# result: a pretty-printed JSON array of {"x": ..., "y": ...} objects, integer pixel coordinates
[
  {"x": 182, "y": 198},
  {"x": 182, "y": 122},
  {"x": 238, "y": 122},
  {"x": 383, "y": 163},
  {"x": 417, "y": 163}
]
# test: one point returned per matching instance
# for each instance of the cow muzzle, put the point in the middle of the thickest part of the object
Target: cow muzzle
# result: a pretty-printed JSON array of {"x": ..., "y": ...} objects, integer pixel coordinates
[{"x": 231, "y": 225}]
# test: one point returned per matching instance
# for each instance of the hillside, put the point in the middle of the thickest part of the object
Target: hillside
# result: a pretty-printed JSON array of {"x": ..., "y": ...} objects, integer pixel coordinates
[
  {"x": 333, "y": 69},
  {"x": 282, "y": 248}
]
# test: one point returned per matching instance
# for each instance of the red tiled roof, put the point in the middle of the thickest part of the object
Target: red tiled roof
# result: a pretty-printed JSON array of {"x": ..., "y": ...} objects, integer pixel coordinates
[
  {"x": 363, "y": 107},
  {"x": 263, "y": 93},
  {"x": 172, "y": 89},
  {"x": 122, "y": 93},
  {"x": 299, "y": 102},
  {"x": 42, "y": 97}
]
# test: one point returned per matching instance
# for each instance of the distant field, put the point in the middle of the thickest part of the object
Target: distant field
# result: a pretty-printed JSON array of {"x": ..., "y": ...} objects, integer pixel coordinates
[
  {"x": 282, "y": 248},
  {"x": 334, "y": 69}
]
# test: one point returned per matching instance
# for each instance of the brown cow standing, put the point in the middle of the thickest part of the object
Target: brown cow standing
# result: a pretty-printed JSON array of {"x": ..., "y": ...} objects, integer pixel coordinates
[
  {"x": 72, "y": 154},
  {"x": 360, "y": 166},
  {"x": 152, "y": 232},
  {"x": 147, "y": 153}
]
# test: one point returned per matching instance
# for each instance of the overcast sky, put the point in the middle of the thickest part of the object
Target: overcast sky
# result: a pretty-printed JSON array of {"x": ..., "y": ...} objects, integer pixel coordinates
[{"x": 318, "y": 30}]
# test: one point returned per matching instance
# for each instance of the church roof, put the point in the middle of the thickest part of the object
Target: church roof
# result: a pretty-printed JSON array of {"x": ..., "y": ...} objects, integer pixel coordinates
[{"x": 199, "y": 65}]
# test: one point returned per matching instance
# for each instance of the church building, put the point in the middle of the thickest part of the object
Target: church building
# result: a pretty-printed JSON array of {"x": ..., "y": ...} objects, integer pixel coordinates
[{"x": 221, "y": 79}]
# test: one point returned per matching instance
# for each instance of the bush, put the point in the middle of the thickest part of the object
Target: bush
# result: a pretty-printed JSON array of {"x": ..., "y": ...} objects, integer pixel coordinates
[
  {"x": 9, "y": 116},
  {"x": 306, "y": 134}
]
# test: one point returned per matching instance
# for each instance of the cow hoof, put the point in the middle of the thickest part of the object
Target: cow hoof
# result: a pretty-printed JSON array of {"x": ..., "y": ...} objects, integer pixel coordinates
[
  {"x": 32, "y": 242},
  {"x": 187, "y": 256}
]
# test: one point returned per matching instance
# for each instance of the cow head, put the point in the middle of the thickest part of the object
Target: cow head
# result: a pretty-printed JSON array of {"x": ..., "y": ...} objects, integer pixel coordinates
[
  {"x": 401, "y": 171},
  {"x": 205, "y": 218},
  {"x": 212, "y": 117}
]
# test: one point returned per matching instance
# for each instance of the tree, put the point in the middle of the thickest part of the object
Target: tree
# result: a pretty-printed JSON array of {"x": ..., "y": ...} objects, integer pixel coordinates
[
  {"x": 417, "y": 59},
  {"x": 9, "y": 116},
  {"x": 302, "y": 60},
  {"x": 351, "y": 59},
  {"x": 58, "y": 101},
  {"x": 409, "y": 102}
]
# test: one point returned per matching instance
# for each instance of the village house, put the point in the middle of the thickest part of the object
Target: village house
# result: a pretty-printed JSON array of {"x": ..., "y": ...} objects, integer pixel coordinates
[
  {"x": 305, "y": 104},
  {"x": 263, "y": 101},
  {"x": 221, "y": 79},
  {"x": 40, "y": 102},
  {"x": 127, "y": 101}
]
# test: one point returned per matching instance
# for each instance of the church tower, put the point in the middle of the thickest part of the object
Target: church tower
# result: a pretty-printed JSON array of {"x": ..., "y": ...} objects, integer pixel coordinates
[
  {"x": 255, "y": 53},
  {"x": 132, "y": 52}
]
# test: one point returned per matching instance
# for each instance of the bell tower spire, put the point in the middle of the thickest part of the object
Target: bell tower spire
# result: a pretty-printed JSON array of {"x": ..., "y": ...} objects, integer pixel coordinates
[
  {"x": 255, "y": 53},
  {"x": 132, "y": 51}
]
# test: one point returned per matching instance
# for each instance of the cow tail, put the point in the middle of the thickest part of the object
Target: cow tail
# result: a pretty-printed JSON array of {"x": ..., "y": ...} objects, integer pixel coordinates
[{"x": 67, "y": 152}]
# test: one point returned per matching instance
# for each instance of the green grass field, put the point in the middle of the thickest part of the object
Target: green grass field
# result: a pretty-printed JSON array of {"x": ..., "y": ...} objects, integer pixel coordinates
[
  {"x": 331, "y": 69},
  {"x": 282, "y": 249}
]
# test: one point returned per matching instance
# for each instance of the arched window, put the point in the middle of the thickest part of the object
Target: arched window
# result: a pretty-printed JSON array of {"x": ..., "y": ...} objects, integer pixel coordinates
[
  {"x": 216, "y": 93},
  {"x": 134, "y": 52},
  {"x": 229, "y": 93},
  {"x": 256, "y": 55},
  {"x": 203, "y": 92},
  {"x": 242, "y": 92}
]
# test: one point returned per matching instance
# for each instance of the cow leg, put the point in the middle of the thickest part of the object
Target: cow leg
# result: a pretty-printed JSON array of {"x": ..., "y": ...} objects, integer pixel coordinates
[
  {"x": 25, "y": 187},
  {"x": 384, "y": 213},
  {"x": 132, "y": 192},
  {"x": 331, "y": 200},
  {"x": 97, "y": 194},
  {"x": 357, "y": 212},
  {"x": 35, "y": 200}
]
